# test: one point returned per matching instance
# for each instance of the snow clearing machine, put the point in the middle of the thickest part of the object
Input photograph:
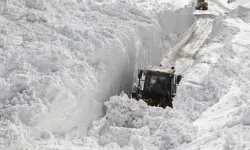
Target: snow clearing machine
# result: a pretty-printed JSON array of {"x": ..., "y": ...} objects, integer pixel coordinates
[
  {"x": 201, "y": 5},
  {"x": 156, "y": 86}
]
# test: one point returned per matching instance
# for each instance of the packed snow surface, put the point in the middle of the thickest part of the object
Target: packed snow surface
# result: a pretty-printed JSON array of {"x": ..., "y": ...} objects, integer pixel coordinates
[{"x": 61, "y": 60}]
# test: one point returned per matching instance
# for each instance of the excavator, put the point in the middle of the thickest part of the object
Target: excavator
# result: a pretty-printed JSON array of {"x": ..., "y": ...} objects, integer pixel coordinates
[
  {"x": 201, "y": 5},
  {"x": 156, "y": 86}
]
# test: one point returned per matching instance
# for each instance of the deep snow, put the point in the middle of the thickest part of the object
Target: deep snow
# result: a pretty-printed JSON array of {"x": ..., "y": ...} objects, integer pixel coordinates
[
  {"x": 61, "y": 60},
  {"x": 212, "y": 101},
  {"x": 224, "y": 125}
]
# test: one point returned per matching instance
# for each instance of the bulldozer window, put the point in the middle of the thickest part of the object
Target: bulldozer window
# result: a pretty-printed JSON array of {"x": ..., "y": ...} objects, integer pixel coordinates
[{"x": 151, "y": 79}]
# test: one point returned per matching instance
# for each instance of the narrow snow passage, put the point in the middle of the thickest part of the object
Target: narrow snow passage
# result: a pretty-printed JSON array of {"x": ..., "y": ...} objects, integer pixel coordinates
[
  {"x": 212, "y": 105},
  {"x": 214, "y": 93},
  {"x": 185, "y": 57},
  {"x": 134, "y": 124}
]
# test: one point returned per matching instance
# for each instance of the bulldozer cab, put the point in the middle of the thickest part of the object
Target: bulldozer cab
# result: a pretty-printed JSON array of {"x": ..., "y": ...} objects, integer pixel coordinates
[
  {"x": 201, "y": 5},
  {"x": 153, "y": 83}
]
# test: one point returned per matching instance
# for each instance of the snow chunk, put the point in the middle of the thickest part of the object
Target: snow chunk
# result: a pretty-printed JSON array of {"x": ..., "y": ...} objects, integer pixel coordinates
[{"x": 132, "y": 123}]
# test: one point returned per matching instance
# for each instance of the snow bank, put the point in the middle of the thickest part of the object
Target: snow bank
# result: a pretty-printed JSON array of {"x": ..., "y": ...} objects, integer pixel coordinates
[
  {"x": 137, "y": 125},
  {"x": 215, "y": 90},
  {"x": 208, "y": 74},
  {"x": 214, "y": 94},
  {"x": 60, "y": 60},
  {"x": 243, "y": 3}
]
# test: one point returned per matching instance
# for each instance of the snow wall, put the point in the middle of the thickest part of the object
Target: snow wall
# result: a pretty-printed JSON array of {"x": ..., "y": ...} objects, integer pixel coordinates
[
  {"x": 211, "y": 110},
  {"x": 61, "y": 60}
]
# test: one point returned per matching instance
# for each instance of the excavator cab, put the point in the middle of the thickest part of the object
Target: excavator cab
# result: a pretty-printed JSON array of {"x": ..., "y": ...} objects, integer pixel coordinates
[{"x": 156, "y": 86}]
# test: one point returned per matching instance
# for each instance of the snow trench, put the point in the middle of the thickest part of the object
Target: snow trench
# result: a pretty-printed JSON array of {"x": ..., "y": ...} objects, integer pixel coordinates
[
  {"x": 211, "y": 110},
  {"x": 60, "y": 61}
]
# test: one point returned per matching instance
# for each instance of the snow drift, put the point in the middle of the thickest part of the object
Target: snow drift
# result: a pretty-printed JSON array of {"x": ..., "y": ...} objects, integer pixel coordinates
[
  {"x": 137, "y": 125},
  {"x": 60, "y": 60},
  {"x": 213, "y": 97}
]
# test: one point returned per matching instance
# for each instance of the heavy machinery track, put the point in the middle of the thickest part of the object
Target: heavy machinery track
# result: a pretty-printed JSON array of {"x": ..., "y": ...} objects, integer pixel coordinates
[{"x": 183, "y": 55}]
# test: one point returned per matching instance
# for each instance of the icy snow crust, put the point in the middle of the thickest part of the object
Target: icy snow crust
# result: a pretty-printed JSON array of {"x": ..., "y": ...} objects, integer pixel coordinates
[{"x": 60, "y": 60}]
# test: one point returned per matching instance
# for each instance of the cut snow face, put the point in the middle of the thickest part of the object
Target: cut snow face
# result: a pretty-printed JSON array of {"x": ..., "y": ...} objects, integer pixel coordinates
[{"x": 61, "y": 60}]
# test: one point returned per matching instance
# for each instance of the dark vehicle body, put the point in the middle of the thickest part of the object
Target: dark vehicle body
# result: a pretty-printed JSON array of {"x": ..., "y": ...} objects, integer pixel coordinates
[
  {"x": 201, "y": 5},
  {"x": 162, "y": 95}
]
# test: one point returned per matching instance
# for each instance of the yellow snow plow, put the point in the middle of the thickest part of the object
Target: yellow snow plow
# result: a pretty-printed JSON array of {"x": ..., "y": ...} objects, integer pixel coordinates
[{"x": 201, "y": 5}]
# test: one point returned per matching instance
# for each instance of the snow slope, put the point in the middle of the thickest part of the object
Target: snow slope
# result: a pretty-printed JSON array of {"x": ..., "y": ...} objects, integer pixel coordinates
[
  {"x": 224, "y": 125},
  {"x": 218, "y": 95},
  {"x": 212, "y": 102},
  {"x": 60, "y": 60}
]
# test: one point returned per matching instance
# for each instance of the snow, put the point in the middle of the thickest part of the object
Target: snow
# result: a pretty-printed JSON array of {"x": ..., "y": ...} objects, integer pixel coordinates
[
  {"x": 131, "y": 123},
  {"x": 60, "y": 60},
  {"x": 64, "y": 64},
  {"x": 212, "y": 97},
  {"x": 222, "y": 108},
  {"x": 243, "y": 3}
]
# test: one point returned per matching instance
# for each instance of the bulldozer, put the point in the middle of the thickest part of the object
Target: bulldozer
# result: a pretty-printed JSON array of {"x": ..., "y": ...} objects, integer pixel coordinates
[
  {"x": 146, "y": 87},
  {"x": 201, "y": 5}
]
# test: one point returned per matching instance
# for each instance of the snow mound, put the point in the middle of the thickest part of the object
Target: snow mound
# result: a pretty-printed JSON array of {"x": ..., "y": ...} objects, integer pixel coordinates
[{"x": 135, "y": 124}]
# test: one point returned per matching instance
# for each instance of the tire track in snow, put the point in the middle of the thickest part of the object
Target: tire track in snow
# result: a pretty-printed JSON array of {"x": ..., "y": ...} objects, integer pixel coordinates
[
  {"x": 188, "y": 53},
  {"x": 183, "y": 56},
  {"x": 204, "y": 29}
]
